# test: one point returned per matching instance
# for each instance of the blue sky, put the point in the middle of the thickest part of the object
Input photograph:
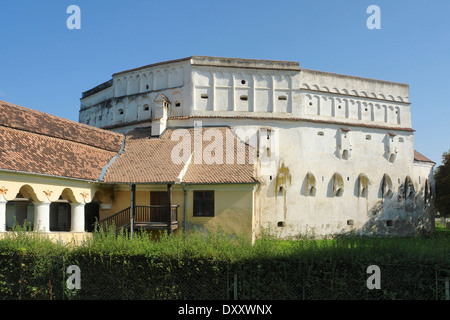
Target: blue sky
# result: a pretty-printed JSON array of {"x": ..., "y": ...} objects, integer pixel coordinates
[{"x": 45, "y": 66}]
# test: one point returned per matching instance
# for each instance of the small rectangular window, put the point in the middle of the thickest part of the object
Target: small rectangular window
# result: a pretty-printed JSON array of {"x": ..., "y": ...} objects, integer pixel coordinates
[
  {"x": 203, "y": 203},
  {"x": 204, "y": 96}
]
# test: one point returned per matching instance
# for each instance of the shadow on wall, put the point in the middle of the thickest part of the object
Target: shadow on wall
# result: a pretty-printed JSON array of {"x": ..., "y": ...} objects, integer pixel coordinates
[{"x": 403, "y": 213}]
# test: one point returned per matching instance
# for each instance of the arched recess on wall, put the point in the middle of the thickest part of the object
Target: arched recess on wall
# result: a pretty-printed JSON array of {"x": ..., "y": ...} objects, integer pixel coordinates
[
  {"x": 118, "y": 88},
  {"x": 67, "y": 194},
  {"x": 397, "y": 115},
  {"x": 427, "y": 192},
  {"x": 363, "y": 186},
  {"x": 119, "y": 113},
  {"x": 20, "y": 209},
  {"x": 134, "y": 84},
  {"x": 386, "y": 187},
  {"x": 338, "y": 185},
  {"x": 177, "y": 100},
  {"x": 27, "y": 192},
  {"x": 310, "y": 186},
  {"x": 408, "y": 188}
]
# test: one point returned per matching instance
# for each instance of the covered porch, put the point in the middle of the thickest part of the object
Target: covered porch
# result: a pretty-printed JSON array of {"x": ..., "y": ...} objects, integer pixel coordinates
[
  {"x": 152, "y": 217},
  {"x": 160, "y": 214}
]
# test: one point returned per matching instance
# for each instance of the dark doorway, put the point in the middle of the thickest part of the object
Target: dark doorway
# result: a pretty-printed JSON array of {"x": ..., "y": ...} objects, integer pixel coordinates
[
  {"x": 158, "y": 197},
  {"x": 91, "y": 216},
  {"x": 158, "y": 201},
  {"x": 60, "y": 216}
]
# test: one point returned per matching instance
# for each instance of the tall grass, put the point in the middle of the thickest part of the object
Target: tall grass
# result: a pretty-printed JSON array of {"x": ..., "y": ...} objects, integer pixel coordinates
[
  {"x": 197, "y": 244},
  {"x": 22, "y": 239}
]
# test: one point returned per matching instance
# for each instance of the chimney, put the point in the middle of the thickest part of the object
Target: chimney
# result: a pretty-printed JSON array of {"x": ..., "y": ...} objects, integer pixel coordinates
[{"x": 159, "y": 121}]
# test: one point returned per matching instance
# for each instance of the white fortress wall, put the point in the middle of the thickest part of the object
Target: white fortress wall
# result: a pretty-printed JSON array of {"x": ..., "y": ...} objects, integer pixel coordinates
[{"x": 343, "y": 158}]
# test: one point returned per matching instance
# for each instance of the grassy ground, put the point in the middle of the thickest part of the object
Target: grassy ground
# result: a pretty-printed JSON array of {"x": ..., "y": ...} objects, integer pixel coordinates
[{"x": 441, "y": 230}]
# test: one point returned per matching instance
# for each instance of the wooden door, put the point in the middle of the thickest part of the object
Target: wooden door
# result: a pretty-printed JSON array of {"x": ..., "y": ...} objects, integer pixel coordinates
[{"x": 159, "y": 200}]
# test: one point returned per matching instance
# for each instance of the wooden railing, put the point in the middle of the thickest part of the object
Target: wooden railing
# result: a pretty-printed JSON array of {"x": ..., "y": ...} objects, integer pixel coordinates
[{"x": 144, "y": 216}]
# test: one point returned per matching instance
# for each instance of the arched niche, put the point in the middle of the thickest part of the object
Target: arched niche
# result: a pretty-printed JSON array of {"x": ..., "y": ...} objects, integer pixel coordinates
[
  {"x": 337, "y": 185},
  {"x": 387, "y": 187},
  {"x": 363, "y": 186},
  {"x": 310, "y": 185}
]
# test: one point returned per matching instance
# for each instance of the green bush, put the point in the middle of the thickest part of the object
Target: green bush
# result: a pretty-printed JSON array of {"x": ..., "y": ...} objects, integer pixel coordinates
[{"x": 217, "y": 265}]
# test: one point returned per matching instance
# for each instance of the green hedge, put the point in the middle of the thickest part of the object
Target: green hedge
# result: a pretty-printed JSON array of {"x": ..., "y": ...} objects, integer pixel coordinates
[{"x": 219, "y": 266}]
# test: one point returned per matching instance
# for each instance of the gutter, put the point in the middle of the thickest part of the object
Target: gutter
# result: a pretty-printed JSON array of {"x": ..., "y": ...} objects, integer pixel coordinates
[
  {"x": 106, "y": 167},
  {"x": 185, "y": 209}
]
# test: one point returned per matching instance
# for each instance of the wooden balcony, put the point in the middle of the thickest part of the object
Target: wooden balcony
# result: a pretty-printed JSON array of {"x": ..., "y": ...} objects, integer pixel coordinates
[{"x": 154, "y": 217}]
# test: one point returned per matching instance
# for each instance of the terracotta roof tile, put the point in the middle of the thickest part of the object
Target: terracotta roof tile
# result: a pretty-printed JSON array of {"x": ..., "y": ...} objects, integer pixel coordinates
[
  {"x": 36, "y": 142},
  {"x": 420, "y": 157},
  {"x": 36, "y": 153},
  {"x": 239, "y": 170},
  {"x": 149, "y": 160},
  {"x": 25, "y": 119}
]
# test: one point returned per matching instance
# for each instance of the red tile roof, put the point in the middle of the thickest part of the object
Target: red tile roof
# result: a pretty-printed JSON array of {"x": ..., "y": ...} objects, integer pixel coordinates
[
  {"x": 420, "y": 157},
  {"x": 21, "y": 118},
  {"x": 149, "y": 160},
  {"x": 36, "y": 142}
]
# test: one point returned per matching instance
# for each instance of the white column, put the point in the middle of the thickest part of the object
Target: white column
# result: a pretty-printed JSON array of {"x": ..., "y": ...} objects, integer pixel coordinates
[
  {"x": 77, "y": 217},
  {"x": 2, "y": 214},
  {"x": 42, "y": 216}
]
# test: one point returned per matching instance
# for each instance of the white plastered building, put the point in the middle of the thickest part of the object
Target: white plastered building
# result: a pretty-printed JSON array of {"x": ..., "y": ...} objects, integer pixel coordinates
[{"x": 334, "y": 153}]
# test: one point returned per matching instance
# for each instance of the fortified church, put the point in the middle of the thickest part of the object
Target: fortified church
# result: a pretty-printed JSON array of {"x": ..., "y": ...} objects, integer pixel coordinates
[{"x": 244, "y": 145}]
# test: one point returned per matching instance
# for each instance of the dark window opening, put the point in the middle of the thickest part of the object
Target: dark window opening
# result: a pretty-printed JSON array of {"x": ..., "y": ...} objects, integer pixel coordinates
[
  {"x": 203, "y": 203},
  {"x": 60, "y": 216},
  {"x": 280, "y": 191},
  {"x": 91, "y": 216},
  {"x": 345, "y": 155}
]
